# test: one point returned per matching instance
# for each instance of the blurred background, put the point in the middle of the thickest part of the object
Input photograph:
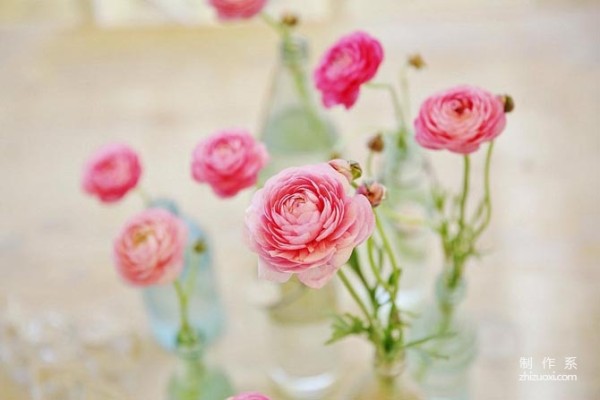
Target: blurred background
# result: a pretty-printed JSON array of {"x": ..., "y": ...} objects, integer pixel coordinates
[{"x": 161, "y": 74}]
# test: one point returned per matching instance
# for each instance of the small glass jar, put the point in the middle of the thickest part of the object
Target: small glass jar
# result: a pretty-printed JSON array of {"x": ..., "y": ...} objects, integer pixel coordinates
[
  {"x": 206, "y": 312},
  {"x": 388, "y": 381},
  {"x": 294, "y": 128},
  {"x": 442, "y": 365},
  {"x": 302, "y": 366},
  {"x": 406, "y": 214},
  {"x": 193, "y": 380}
]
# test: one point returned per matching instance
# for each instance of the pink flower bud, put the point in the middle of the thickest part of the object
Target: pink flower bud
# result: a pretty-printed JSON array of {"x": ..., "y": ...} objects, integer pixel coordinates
[
  {"x": 374, "y": 191},
  {"x": 350, "y": 169}
]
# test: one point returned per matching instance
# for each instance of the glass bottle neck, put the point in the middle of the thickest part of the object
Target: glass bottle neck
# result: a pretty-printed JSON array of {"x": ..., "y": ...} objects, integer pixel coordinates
[
  {"x": 293, "y": 50},
  {"x": 449, "y": 294}
]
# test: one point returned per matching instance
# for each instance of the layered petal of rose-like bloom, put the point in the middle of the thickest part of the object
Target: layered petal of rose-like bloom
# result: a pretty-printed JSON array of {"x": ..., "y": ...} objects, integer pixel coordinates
[
  {"x": 304, "y": 222},
  {"x": 111, "y": 172},
  {"x": 349, "y": 63},
  {"x": 237, "y": 9},
  {"x": 249, "y": 396},
  {"x": 229, "y": 161},
  {"x": 460, "y": 119},
  {"x": 150, "y": 248}
]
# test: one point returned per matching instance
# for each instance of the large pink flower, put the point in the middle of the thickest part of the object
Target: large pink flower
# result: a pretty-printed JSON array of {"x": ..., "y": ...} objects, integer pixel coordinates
[
  {"x": 111, "y": 172},
  {"x": 228, "y": 161},
  {"x": 349, "y": 63},
  {"x": 237, "y": 9},
  {"x": 150, "y": 248},
  {"x": 460, "y": 119},
  {"x": 304, "y": 222},
  {"x": 249, "y": 396}
]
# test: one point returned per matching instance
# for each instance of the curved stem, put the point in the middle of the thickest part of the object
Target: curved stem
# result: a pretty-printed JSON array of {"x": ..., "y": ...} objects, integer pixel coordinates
[
  {"x": 400, "y": 118},
  {"x": 355, "y": 296},
  {"x": 386, "y": 243},
  {"x": 487, "y": 197},
  {"x": 373, "y": 265},
  {"x": 186, "y": 334},
  {"x": 465, "y": 190}
]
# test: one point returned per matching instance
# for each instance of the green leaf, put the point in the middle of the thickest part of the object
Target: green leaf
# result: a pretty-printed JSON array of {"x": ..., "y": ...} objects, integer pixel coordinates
[{"x": 346, "y": 325}]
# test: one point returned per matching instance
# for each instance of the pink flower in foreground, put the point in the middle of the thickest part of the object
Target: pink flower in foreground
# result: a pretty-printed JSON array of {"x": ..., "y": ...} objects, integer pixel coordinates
[
  {"x": 228, "y": 161},
  {"x": 111, "y": 172},
  {"x": 237, "y": 9},
  {"x": 249, "y": 396},
  {"x": 349, "y": 63},
  {"x": 150, "y": 248},
  {"x": 304, "y": 222},
  {"x": 460, "y": 119}
]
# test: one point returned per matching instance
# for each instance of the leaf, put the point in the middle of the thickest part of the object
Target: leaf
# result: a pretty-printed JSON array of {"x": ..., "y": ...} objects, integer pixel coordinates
[{"x": 346, "y": 325}]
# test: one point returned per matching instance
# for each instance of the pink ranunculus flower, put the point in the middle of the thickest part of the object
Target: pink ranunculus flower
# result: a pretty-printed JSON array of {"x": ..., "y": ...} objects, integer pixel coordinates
[
  {"x": 111, "y": 172},
  {"x": 150, "y": 248},
  {"x": 237, "y": 9},
  {"x": 349, "y": 63},
  {"x": 304, "y": 222},
  {"x": 249, "y": 396},
  {"x": 459, "y": 119},
  {"x": 229, "y": 161}
]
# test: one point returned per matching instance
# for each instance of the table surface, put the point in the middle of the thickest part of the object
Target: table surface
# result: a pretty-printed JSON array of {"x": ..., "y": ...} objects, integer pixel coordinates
[{"x": 67, "y": 90}]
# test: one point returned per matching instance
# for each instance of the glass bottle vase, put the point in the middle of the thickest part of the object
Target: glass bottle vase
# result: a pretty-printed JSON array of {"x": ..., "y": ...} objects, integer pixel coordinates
[
  {"x": 294, "y": 128},
  {"x": 302, "y": 366},
  {"x": 442, "y": 365},
  {"x": 193, "y": 380},
  {"x": 406, "y": 214},
  {"x": 388, "y": 380},
  {"x": 160, "y": 301}
]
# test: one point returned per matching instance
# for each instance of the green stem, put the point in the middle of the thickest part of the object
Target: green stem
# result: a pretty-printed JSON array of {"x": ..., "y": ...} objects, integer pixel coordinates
[
  {"x": 186, "y": 334},
  {"x": 386, "y": 243},
  {"x": 487, "y": 197},
  {"x": 373, "y": 265},
  {"x": 465, "y": 190},
  {"x": 404, "y": 89},
  {"x": 356, "y": 297},
  {"x": 400, "y": 118}
]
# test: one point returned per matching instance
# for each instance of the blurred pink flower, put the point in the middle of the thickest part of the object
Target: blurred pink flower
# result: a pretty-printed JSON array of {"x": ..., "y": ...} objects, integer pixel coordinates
[
  {"x": 228, "y": 161},
  {"x": 349, "y": 63},
  {"x": 150, "y": 248},
  {"x": 459, "y": 119},
  {"x": 304, "y": 222},
  {"x": 111, "y": 172},
  {"x": 237, "y": 9},
  {"x": 374, "y": 191},
  {"x": 249, "y": 396}
]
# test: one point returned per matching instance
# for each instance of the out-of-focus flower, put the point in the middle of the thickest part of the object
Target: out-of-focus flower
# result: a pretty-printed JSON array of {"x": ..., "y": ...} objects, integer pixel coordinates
[
  {"x": 229, "y": 161},
  {"x": 149, "y": 249},
  {"x": 348, "y": 64},
  {"x": 305, "y": 222},
  {"x": 249, "y": 396},
  {"x": 111, "y": 172},
  {"x": 237, "y": 9},
  {"x": 460, "y": 119}
]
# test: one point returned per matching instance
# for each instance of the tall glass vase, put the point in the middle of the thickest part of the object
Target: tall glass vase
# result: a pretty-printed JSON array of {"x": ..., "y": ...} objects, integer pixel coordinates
[
  {"x": 303, "y": 367},
  {"x": 406, "y": 214},
  {"x": 388, "y": 380},
  {"x": 442, "y": 365},
  {"x": 162, "y": 307},
  {"x": 294, "y": 129},
  {"x": 193, "y": 380}
]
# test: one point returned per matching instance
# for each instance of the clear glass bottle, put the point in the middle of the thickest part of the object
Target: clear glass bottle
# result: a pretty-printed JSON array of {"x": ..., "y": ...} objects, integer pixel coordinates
[
  {"x": 294, "y": 129},
  {"x": 160, "y": 301},
  {"x": 302, "y": 366},
  {"x": 388, "y": 381},
  {"x": 193, "y": 380},
  {"x": 406, "y": 214},
  {"x": 442, "y": 365}
]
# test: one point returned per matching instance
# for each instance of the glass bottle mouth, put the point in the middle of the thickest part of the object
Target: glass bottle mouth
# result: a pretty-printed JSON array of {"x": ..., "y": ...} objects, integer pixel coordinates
[{"x": 293, "y": 49}]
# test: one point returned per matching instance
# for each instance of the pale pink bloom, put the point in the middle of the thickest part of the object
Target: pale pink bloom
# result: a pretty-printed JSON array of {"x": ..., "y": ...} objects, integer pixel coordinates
[
  {"x": 111, "y": 172},
  {"x": 305, "y": 222},
  {"x": 237, "y": 9},
  {"x": 374, "y": 191},
  {"x": 228, "y": 161},
  {"x": 150, "y": 248},
  {"x": 249, "y": 396},
  {"x": 349, "y": 63},
  {"x": 459, "y": 119}
]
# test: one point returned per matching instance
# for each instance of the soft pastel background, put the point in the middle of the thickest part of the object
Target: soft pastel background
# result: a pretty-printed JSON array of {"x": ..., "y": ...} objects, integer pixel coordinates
[{"x": 161, "y": 80}]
